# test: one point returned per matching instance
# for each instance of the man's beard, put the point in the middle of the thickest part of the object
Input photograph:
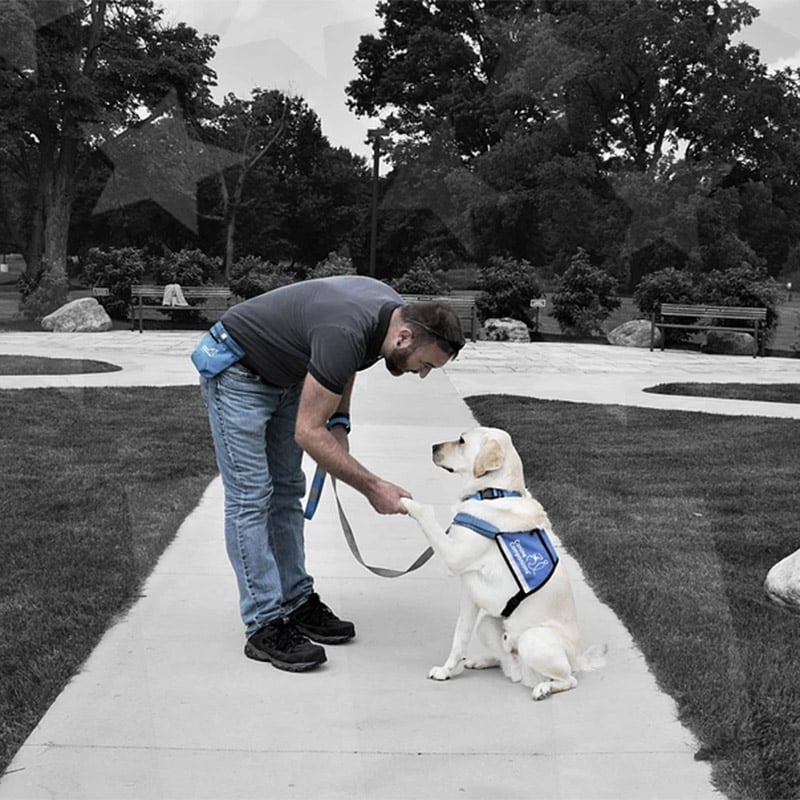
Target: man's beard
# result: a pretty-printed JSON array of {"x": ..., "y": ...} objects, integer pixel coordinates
[{"x": 397, "y": 361}]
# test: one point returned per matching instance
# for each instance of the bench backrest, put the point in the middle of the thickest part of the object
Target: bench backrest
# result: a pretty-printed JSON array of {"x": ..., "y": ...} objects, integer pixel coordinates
[
  {"x": 464, "y": 307},
  {"x": 712, "y": 312}
]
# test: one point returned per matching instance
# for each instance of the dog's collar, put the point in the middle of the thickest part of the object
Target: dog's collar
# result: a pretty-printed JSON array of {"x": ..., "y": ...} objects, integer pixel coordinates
[{"x": 491, "y": 494}]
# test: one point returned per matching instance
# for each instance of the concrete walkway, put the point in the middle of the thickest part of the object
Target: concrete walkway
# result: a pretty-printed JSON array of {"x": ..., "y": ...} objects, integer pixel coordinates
[{"x": 168, "y": 707}]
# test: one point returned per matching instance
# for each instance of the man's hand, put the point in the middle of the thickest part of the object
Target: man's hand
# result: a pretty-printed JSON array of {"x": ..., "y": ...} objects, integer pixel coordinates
[{"x": 385, "y": 498}]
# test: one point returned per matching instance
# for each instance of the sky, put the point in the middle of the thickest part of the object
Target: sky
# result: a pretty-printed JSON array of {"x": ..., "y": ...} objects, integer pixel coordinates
[
  {"x": 306, "y": 47},
  {"x": 303, "y": 47}
]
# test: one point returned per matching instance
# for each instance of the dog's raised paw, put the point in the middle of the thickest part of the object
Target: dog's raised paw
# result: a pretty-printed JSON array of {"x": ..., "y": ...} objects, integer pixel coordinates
[{"x": 414, "y": 508}]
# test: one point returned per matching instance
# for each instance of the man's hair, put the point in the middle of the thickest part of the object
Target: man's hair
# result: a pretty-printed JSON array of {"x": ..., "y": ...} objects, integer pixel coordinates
[{"x": 435, "y": 322}]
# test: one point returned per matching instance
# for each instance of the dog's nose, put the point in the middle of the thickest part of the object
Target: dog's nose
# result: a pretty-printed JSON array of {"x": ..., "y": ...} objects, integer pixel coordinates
[{"x": 436, "y": 448}]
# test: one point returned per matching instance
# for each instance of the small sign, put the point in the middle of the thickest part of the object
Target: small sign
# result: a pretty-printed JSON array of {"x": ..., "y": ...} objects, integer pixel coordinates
[
  {"x": 4, "y": 268},
  {"x": 539, "y": 302},
  {"x": 100, "y": 291}
]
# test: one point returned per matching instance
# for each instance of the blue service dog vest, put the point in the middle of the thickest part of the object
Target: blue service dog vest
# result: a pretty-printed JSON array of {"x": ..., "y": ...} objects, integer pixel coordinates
[{"x": 529, "y": 555}]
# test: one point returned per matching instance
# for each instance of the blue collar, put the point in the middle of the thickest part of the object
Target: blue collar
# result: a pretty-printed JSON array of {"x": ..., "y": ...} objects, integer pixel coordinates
[{"x": 491, "y": 494}]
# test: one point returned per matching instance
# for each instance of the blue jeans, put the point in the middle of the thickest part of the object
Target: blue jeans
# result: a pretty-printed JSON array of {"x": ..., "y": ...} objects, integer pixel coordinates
[{"x": 252, "y": 424}]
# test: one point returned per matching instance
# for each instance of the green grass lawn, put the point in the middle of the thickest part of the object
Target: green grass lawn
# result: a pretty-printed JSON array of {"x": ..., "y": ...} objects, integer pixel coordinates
[
  {"x": 676, "y": 518},
  {"x": 764, "y": 392},
  {"x": 96, "y": 483},
  {"x": 35, "y": 365}
]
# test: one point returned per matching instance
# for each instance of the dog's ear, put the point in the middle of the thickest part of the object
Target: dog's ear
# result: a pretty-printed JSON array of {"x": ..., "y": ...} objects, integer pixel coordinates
[{"x": 489, "y": 458}]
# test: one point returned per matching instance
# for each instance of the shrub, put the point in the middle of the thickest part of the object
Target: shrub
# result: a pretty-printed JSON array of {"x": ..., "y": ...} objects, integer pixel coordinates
[
  {"x": 187, "y": 267},
  {"x": 584, "y": 297},
  {"x": 744, "y": 285},
  {"x": 424, "y": 277},
  {"x": 668, "y": 285},
  {"x": 508, "y": 285},
  {"x": 115, "y": 269},
  {"x": 333, "y": 264},
  {"x": 251, "y": 276}
]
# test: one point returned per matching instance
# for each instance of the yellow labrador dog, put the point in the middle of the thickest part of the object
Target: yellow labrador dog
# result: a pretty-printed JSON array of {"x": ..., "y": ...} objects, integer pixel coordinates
[{"x": 511, "y": 576}]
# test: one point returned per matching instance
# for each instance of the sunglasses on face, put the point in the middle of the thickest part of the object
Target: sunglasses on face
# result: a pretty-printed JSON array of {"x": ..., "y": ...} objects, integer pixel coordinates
[{"x": 451, "y": 343}]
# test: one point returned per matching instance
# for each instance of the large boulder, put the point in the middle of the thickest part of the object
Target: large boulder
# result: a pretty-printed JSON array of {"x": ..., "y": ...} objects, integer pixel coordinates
[
  {"x": 782, "y": 583},
  {"x": 84, "y": 315},
  {"x": 730, "y": 343},
  {"x": 504, "y": 329},
  {"x": 635, "y": 333}
]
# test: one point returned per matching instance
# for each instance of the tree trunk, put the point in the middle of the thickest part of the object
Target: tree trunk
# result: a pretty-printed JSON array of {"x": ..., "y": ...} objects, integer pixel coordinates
[
  {"x": 58, "y": 164},
  {"x": 230, "y": 236},
  {"x": 58, "y": 211}
]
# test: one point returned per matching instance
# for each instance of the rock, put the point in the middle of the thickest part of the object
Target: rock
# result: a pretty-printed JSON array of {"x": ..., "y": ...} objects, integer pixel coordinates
[
  {"x": 504, "y": 329},
  {"x": 732, "y": 343},
  {"x": 84, "y": 315},
  {"x": 635, "y": 333},
  {"x": 782, "y": 583}
]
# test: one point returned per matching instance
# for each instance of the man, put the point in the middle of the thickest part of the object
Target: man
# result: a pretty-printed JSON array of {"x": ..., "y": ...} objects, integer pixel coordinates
[{"x": 291, "y": 392}]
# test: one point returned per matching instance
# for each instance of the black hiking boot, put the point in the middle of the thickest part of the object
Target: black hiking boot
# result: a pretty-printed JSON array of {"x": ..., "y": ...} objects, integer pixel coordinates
[
  {"x": 318, "y": 622},
  {"x": 285, "y": 647}
]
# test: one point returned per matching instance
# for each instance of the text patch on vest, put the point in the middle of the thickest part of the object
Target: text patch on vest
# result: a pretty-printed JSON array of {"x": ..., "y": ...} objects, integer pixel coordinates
[{"x": 530, "y": 556}]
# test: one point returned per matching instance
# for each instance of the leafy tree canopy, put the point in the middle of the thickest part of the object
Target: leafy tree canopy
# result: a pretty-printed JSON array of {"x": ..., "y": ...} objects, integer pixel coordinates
[
  {"x": 567, "y": 113},
  {"x": 82, "y": 72}
]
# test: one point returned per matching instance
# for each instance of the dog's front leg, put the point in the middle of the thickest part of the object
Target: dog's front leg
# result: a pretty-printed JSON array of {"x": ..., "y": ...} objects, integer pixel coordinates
[
  {"x": 465, "y": 624},
  {"x": 454, "y": 555}
]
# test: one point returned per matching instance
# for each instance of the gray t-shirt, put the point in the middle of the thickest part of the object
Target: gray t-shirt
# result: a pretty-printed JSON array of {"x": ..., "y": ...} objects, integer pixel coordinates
[{"x": 329, "y": 327}]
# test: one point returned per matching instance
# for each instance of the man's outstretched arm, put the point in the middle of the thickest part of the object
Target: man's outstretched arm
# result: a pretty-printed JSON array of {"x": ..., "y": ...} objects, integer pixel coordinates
[{"x": 329, "y": 447}]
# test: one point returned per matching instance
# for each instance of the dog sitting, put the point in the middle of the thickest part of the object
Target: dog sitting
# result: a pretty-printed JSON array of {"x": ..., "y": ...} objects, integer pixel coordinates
[{"x": 515, "y": 592}]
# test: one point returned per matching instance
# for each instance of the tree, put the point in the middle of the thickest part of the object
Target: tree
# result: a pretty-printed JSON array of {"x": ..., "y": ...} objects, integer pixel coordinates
[
  {"x": 97, "y": 64},
  {"x": 291, "y": 196},
  {"x": 433, "y": 61},
  {"x": 553, "y": 103},
  {"x": 249, "y": 128}
]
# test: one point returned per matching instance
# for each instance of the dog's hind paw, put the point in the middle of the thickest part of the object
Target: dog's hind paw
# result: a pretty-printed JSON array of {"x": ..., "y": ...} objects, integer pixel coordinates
[
  {"x": 482, "y": 663},
  {"x": 541, "y": 691},
  {"x": 546, "y": 688}
]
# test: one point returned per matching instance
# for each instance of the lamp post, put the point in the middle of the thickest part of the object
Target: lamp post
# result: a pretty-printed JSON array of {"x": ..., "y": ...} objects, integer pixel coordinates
[
  {"x": 789, "y": 290},
  {"x": 375, "y": 135}
]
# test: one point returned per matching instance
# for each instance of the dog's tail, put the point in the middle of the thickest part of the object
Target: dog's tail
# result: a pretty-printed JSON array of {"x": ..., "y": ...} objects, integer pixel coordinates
[{"x": 592, "y": 658}]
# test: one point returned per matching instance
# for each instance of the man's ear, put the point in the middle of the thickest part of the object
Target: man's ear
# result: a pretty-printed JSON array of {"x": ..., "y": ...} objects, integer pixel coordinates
[
  {"x": 405, "y": 336},
  {"x": 489, "y": 458}
]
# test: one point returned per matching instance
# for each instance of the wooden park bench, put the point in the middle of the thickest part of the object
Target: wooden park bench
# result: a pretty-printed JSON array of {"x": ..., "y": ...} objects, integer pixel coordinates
[
  {"x": 149, "y": 297},
  {"x": 705, "y": 318},
  {"x": 462, "y": 304}
]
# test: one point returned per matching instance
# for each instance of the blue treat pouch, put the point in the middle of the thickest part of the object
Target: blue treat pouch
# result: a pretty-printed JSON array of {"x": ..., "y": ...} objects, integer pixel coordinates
[{"x": 216, "y": 352}]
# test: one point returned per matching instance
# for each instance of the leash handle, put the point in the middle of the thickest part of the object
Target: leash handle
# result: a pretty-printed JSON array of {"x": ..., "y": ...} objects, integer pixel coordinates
[{"x": 384, "y": 572}]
